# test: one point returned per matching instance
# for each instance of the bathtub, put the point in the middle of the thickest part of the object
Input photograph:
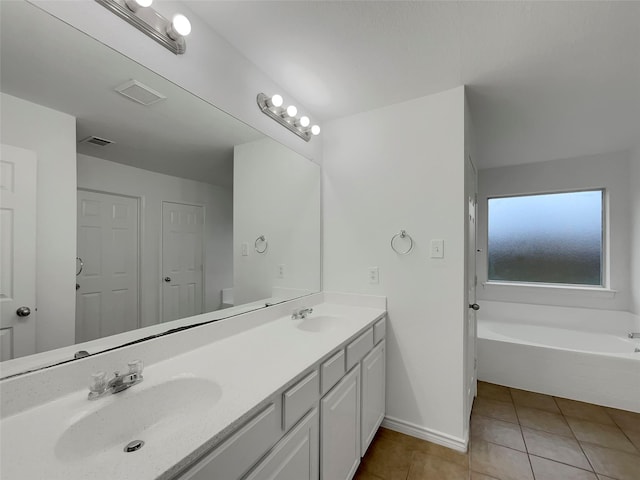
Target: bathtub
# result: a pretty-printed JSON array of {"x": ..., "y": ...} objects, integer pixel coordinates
[{"x": 540, "y": 348}]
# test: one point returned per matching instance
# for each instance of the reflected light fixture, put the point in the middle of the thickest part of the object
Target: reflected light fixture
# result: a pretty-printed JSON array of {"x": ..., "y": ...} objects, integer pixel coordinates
[
  {"x": 168, "y": 33},
  {"x": 287, "y": 117}
]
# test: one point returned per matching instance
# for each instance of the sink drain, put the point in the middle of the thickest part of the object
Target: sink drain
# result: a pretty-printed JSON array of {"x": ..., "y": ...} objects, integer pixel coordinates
[{"x": 133, "y": 446}]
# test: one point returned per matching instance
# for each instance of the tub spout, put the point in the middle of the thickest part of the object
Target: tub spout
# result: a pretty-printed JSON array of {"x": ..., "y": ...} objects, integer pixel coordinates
[{"x": 634, "y": 335}]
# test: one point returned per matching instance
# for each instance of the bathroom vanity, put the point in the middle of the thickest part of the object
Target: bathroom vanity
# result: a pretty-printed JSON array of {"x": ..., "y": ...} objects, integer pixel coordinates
[{"x": 258, "y": 396}]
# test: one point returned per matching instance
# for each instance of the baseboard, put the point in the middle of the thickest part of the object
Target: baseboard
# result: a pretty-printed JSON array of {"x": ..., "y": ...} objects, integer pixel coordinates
[{"x": 428, "y": 434}]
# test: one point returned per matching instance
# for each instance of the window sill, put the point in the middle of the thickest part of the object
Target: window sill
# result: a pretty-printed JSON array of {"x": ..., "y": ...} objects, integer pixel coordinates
[{"x": 596, "y": 292}]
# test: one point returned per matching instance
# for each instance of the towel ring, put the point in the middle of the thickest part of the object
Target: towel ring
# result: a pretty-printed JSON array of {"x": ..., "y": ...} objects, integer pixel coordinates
[
  {"x": 402, "y": 234},
  {"x": 261, "y": 239},
  {"x": 78, "y": 259}
]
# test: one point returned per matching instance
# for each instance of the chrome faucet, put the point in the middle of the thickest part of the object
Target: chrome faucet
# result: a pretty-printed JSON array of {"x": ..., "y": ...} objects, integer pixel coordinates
[
  {"x": 634, "y": 335},
  {"x": 100, "y": 386},
  {"x": 302, "y": 313}
]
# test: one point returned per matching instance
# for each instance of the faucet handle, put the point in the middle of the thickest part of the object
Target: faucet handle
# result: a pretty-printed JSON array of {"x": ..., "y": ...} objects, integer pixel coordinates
[
  {"x": 98, "y": 383},
  {"x": 135, "y": 367}
]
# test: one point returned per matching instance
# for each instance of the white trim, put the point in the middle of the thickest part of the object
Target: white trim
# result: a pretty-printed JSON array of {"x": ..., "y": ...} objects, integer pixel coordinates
[
  {"x": 408, "y": 428},
  {"x": 599, "y": 292}
]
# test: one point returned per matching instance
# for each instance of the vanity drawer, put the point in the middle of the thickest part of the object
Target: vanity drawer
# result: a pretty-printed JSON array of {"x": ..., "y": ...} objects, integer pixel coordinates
[
  {"x": 359, "y": 348},
  {"x": 299, "y": 399},
  {"x": 379, "y": 330},
  {"x": 231, "y": 459},
  {"x": 331, "y": 371}
]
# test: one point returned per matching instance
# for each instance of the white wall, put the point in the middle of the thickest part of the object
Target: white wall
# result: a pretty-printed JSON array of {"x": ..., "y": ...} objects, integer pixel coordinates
[
  {"x": 153, "y": 189},
  {"x": 211, "y": 68},
  {"x": 402, "y": 167},
  {"x": 634, "y": 177},
  {"x": 609, "y": 171},
  {"x": 276, "y": 193},
  {"x": 52, "y": 135}
]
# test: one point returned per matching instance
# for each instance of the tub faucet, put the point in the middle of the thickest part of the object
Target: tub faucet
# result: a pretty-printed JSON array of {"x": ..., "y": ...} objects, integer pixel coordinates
[
  {"x": 634, "y": 335},
  {"x": 100, "y": 386},
  {"x": 302, "y": 313}
]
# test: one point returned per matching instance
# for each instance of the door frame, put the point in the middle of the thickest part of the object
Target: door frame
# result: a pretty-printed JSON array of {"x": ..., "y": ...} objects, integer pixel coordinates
[
  {"x": 471, "y": 260},
  {"x": 139, "y": 206},
  {"x": 161, "y": 254}
]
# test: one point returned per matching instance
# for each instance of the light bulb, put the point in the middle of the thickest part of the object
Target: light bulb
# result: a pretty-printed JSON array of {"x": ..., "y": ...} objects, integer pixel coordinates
[
  {"x": 275, "y": 101},
  {"x": 303, "y": 122},
  {"x": 315, "y": 130},
  {"x": 180, "y": 27},
  {"x": 292, "y": 111},
  {"x": 134, "y": 5}
]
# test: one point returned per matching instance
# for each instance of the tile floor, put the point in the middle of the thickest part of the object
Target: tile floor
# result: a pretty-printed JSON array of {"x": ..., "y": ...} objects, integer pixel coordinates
[{"x": 518, "y": 435}]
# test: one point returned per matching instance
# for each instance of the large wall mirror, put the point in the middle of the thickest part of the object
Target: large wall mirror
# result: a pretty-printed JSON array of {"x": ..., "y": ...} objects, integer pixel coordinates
[{"x": 131, "y": 207}]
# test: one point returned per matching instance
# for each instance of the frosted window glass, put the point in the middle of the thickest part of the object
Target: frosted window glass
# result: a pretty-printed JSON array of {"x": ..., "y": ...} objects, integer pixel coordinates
[{"x": 550, "y": 238}]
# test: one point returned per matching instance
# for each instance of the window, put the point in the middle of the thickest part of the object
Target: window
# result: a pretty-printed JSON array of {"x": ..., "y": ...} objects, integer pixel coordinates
[{"x": 548, "y": 238}]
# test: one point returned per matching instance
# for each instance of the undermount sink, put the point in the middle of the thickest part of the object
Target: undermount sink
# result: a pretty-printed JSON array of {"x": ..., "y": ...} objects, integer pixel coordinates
[
  {"x": 152, "y": 415},
  {"x": 321, "y": 323}
]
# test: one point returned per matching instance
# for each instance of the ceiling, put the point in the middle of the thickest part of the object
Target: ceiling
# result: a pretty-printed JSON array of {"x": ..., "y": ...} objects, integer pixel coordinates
[
  {"x": 546, "y": 80},
  {"x": 181, "y": 136}
]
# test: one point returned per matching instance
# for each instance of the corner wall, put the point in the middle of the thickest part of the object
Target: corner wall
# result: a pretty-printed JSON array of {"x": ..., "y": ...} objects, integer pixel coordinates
[
  {"x": 276, "y": 193},
  {"x": 52, "y": 135},
  {"x": 402, "y": 167},
  {"x": 609, "y": 171}
]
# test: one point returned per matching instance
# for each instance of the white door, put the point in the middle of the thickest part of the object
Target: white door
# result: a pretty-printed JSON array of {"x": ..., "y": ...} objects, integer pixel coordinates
[
  {"x": 471, "y": 367},
  {"x": 182, "y": 269},
  {"x": 107, "y": 287},
  {"x": 340, "y": 429},
  {"x": 17, "y": 252}
]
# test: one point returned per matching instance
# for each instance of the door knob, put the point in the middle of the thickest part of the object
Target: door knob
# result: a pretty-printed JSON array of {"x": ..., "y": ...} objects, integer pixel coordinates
[
  {"x": 475, "y": 306},
  {"x": 167, "y": 279},
  {"x": 23, "y": 312}
]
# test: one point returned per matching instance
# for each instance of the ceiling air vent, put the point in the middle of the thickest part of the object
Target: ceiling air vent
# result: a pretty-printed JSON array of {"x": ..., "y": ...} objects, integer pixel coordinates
[
  {"x": 139, "y": 92},
  {"x": 93, "y": 140}
]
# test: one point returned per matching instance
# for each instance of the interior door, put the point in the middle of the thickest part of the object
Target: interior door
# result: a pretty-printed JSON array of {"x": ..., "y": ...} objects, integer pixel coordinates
[
  {"x": 471, "y": 367},
  {"x": 107, "y": 300},
  {"x": 182, "y": 260},
  {"x": 17, "y": 252}
]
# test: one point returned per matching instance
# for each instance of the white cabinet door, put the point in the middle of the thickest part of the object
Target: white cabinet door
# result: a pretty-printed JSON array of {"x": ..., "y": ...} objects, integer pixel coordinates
[
  {"x": 340, "y": 429},
  {"x": 295, "y": 457},
  {"x": 373, "y": 393}
]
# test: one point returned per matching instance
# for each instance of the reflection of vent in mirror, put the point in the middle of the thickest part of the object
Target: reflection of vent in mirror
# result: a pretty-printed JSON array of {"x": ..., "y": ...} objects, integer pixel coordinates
[
  {"x": 93, "y": 140},
  {"x": 139, "y": 92}
]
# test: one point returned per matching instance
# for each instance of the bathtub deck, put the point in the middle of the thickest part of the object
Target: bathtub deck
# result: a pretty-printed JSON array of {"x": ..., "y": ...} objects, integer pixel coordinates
[{"x": 517, "y": 434}]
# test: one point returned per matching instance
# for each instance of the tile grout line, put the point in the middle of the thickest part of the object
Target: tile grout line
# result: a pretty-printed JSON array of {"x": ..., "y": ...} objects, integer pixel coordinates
[
  {"x": 533, "y": 475},
  {"x": 576, "y": 438}
]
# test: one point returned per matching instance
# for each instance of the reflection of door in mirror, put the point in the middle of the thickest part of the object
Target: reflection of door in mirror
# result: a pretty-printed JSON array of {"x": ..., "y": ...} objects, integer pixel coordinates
[
  {"x": 107, "y": 286},
  {"x": 182, "y": 262},
  {"x": 17, "y": 251}
]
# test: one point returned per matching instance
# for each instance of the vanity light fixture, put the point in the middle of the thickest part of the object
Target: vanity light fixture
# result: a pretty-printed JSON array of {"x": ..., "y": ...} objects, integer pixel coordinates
[
  {"x": 287, "y": 117},
  {"x": 168, "y": 33}
]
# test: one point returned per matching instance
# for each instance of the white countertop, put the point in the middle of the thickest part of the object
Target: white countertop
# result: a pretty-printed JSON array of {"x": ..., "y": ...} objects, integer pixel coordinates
[{"x": 249, "y": 368}]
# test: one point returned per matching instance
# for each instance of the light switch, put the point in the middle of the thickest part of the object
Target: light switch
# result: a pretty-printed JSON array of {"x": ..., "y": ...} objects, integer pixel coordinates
[
  {"x": 374, "y": 275},
  {"x": 280, "y": 273},
  {"x": 244, "y": 249},
  {"x": 437, "y": 248}
]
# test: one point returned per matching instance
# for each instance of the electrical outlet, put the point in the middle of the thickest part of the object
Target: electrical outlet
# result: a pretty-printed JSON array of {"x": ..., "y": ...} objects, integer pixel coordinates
[
  {"x": 374, "y": 275},
  {"x": 244, "y": 248},
  {"x": 280, "y": 273},
  {"x": 437, "y": 248}
]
